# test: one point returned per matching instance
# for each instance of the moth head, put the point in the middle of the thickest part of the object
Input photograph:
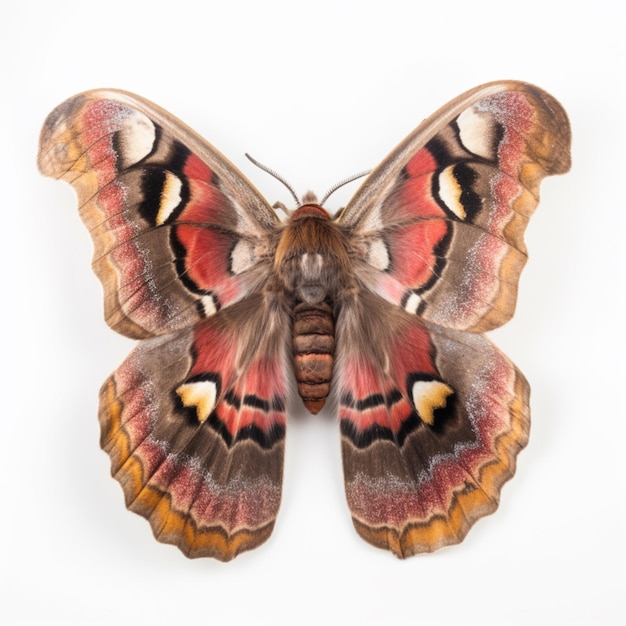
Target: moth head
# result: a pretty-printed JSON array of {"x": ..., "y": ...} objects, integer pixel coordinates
[{"x": 309, "y": 198}]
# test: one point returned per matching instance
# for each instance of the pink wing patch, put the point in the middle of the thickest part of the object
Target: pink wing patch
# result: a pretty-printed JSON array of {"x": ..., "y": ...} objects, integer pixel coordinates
[
  {"x": 377, "y": 406},
  {"x": 252, "y": 405}
]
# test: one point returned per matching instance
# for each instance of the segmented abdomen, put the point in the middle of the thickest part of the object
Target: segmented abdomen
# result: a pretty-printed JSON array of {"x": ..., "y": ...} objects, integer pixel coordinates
[{"x": 313, "y": 350}]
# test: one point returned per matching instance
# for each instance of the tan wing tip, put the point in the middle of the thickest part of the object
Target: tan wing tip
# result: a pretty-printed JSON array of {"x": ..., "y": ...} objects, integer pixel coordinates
[
  {"x": 558, "y": 133},
  {"x": 553, "y": 147},
  {"x": 52, "y": 146}
]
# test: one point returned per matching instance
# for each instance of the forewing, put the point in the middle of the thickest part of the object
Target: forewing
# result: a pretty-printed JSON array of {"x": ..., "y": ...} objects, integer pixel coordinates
[
  {"x": 178, "y": 232},
  {"x": 194, "y": 424},
  {"x": 432, "y": 420},
  {"x": 439, "y": 225}
]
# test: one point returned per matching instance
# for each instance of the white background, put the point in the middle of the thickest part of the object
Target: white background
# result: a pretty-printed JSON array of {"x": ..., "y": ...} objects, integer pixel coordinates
[{"x": 318, "y": 90}]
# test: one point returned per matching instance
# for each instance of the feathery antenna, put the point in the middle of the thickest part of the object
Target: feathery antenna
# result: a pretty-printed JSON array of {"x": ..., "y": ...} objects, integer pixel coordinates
[
  {"x": 341, "y": 183},
  {"x": 277, "y": 176}
]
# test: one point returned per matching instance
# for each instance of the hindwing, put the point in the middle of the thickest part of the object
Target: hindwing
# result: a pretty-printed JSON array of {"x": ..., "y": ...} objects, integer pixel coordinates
[
  {"x": 194, "y": 423},
  {"x": 432, "y": 420}
]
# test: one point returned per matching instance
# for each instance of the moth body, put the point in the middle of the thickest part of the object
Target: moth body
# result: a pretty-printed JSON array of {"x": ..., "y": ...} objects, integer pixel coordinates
[
  {"x": 311, "y": 262},
  {"x": 313, "y": 352}
]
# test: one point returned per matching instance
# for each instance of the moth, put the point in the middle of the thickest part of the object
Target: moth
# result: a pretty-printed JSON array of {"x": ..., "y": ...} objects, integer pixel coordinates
[{"x": 380, "y": 309}]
